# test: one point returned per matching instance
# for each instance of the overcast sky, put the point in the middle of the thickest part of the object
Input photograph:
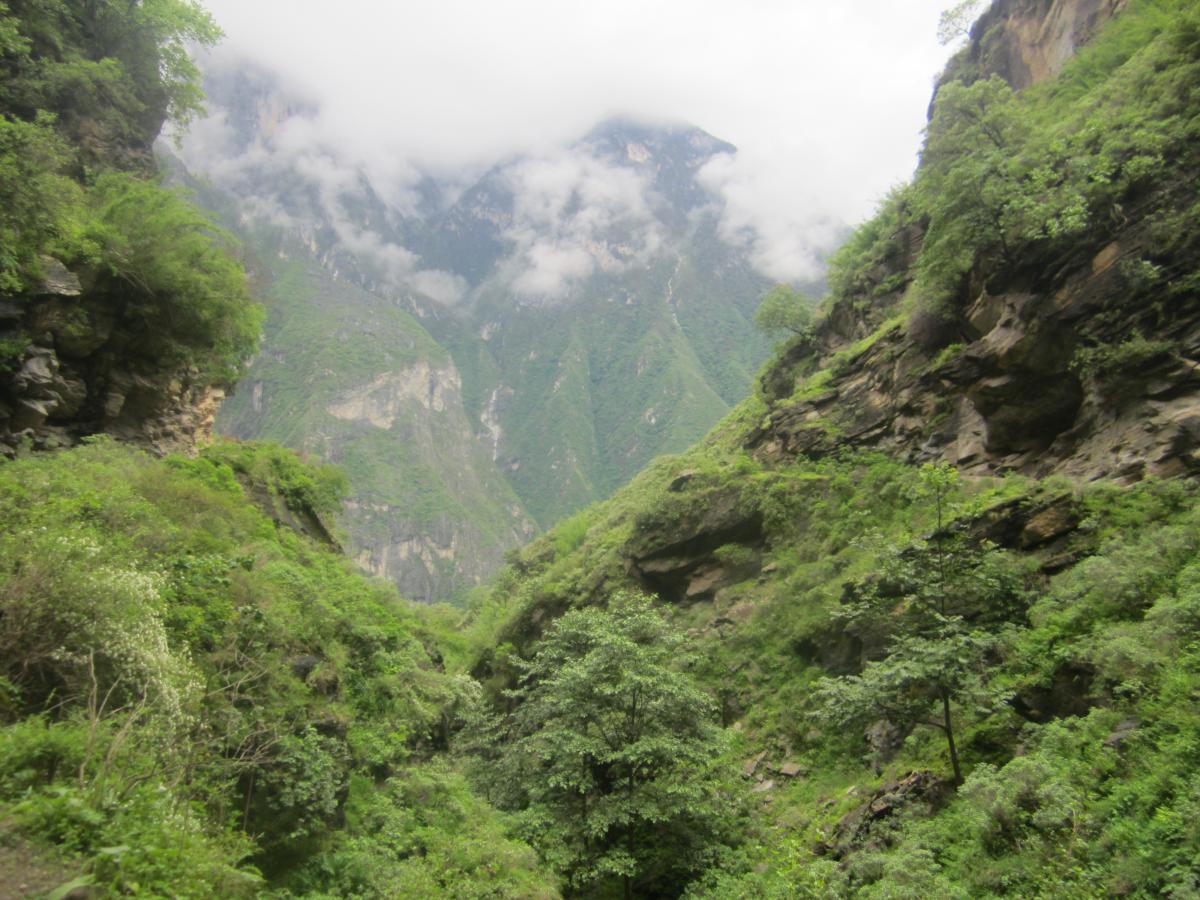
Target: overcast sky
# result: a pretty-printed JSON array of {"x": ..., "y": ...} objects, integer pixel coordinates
[{"x": 825, "y": 100}]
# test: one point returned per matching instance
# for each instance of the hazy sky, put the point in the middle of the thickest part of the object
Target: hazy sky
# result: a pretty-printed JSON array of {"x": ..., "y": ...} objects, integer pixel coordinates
[{"x": 825, "y": 100}]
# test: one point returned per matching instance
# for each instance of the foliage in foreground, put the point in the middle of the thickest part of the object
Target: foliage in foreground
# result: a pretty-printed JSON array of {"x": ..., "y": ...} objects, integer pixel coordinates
[
  {"x": 85, "y": 89},
  {"x": 613, "y": 754},
  {"x": 193, "y": 698}
]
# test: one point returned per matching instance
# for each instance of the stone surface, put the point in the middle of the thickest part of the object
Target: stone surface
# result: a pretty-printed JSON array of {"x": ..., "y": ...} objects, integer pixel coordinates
[
  {"x": 920, "y": 793},
  {"x": 750, "y": 766},
  {"x": 58, "y": 279}
]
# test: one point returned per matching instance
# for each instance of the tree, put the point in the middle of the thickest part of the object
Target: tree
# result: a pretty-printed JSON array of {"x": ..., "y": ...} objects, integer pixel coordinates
[
  {"x": 616, "y": 750},
  {"x": 986, "y": 197},
  {"x": 957, "y": 20},
  {"x": 930, "y": 598},
  {"x": 783, "y": 309}
]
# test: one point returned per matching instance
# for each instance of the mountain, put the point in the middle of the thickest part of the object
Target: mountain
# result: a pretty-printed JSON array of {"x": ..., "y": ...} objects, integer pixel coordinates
[
  {"x": 939, "y": 570},
  {"x": 582, "y": 306},
  {"x": 918, "y": 618}
]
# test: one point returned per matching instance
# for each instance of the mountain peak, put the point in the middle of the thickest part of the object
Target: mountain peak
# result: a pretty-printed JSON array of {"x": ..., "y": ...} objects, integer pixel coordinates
[{"x": 626, "y": 140}]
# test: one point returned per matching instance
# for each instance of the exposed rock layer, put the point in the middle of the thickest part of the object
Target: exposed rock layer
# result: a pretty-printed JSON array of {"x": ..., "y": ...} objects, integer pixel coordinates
[{"x": 76, "y": 364}]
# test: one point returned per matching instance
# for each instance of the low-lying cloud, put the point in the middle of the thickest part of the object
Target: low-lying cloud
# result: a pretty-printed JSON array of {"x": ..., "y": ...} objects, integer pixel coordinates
[
  {"x": 574, "y": 214},
  {"x": 825, "y": 101}
]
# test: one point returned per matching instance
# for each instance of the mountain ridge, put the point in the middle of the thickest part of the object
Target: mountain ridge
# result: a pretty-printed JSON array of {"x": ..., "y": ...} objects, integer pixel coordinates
[{"x": 595, "y": 315}]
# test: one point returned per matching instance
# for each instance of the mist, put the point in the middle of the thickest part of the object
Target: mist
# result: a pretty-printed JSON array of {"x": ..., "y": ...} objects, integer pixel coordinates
[{"x": 825, "y": 103}]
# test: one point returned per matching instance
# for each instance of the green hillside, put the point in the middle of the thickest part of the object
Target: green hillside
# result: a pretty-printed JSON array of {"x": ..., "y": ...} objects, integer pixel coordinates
[
  {"x": 918, "y": 618},
  {"x": 351, "y": 378},
  {"x": 869, "y": 620}
]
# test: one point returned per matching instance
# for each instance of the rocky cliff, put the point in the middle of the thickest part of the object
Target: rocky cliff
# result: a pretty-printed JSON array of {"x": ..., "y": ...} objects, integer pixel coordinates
[
  {"x": 1072, "y": 353},
  {"x": 121, "y": 311},
  {"x": 1029, "y": 41},
  {"x": 79, "y": 361}
]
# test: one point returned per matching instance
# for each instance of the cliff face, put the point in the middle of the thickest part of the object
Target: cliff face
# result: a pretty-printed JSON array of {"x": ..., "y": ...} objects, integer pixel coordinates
[
  {"x": 1071, "y": 350},
  {"x": 353, "y": 379},
  {"x": 80, "y": 362},
  {"x": 130, "y": 336},
  {"x": 1029, "y": 41},
  {"x": 1011, "y": 395}
]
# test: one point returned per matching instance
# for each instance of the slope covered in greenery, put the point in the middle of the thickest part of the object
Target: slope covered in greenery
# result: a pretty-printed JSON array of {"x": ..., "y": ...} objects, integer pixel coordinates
[
  {"x": 197, "y": 696},
  {"x": 870, "y": 625},
  {"x": 888, "y": 654}
]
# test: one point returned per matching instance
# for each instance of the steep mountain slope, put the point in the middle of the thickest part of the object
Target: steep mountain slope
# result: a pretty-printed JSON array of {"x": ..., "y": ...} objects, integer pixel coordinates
[
  {"x": 1044, "y": 318},
  {"x": 1027, "y": 307},
  {"x": 121, "y": 310},
  {"x": 594, "y": 313},
  {"x": 353, "y": 379}
]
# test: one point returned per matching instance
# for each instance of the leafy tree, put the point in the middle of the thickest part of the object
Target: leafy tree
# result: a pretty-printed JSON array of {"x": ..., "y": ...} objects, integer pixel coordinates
[
  {"x": 195, "y": 293},
  {"x": 124, "y": 64},
  {"x": 984, "y": 198},
  {"x": 783, "y": 309},
  {"x": 36, "y": 200},
  {"x": 617, "y": 749},
  {"x": 957, "y": 20},
  {"x": 924, "y": 598}
]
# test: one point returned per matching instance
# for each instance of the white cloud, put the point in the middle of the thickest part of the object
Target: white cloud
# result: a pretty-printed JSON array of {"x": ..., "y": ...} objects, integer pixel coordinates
[
  {"x": 824, "y": 100},
  {"x": 572, "y": 214}
]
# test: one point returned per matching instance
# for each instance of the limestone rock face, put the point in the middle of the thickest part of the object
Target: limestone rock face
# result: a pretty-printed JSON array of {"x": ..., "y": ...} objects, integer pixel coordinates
[
  {"x": 73, "y": 369},
  {"x": 1028, "y": 41},
  {"x": 387, "y": 397}
]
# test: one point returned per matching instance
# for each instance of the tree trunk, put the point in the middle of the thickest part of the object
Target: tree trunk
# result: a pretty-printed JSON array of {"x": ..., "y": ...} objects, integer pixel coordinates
[{"x": 949, "y": 728}]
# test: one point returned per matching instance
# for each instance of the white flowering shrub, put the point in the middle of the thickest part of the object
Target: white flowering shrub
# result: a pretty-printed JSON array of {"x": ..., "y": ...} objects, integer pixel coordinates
[{"x": 89, "y": 627}]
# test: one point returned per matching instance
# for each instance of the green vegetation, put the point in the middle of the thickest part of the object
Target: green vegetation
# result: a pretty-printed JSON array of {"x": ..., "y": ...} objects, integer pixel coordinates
[
  {"x": 876, "y": 611},
  {"x": 198, "y": 698},
  {"x": 616, "y": 756},
  {"x": 1108, "y": 362},
  {"x": 1015, "y": 183},
  {"x": 934, "y": 657},
  {"x": 785, "y": 310},
  {"x": 194, "y": 697},
  {"x": 84, "y": 92}
]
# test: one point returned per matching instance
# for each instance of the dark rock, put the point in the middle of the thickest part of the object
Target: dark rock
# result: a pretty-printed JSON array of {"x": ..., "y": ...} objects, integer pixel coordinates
[
  {"x": 675, "y": 546},
  {"x": 679, "y": 481},
  {"x": 1067, "y": 694},
  {"x": 1122, "y": 733},
  {"x": 1052, "y": 521},
  {"x": 922, "y": 792},
  {"x": 302, "y": 666}
]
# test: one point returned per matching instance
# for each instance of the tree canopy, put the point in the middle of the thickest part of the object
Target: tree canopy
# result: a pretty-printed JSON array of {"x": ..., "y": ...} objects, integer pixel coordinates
[{"x": 616, "y": 751}]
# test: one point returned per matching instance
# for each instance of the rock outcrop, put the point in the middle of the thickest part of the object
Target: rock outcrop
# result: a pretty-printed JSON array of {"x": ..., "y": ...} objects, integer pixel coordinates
[
  {"x": 76, "y": 362},
  {"x": 1084, "y": 362},
  {"x": 1010, "y": 400},
  {"x": 1028, "y": 41}
]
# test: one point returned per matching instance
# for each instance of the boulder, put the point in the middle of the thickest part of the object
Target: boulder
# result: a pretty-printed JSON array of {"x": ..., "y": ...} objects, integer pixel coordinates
[
  {"x": 58, "y": 281},
  {"x": 918, "y": 791}
]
